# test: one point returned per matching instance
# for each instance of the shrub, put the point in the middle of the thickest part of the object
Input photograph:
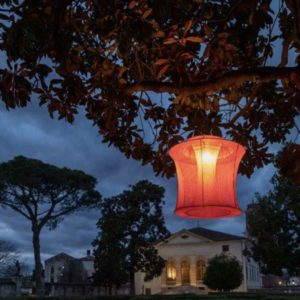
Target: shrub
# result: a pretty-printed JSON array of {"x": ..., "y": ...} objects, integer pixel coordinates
[{"x": 224, "y": 273}]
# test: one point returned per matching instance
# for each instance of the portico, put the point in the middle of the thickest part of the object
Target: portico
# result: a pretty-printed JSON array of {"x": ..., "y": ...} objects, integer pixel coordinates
[{"x": 187, "y": 253}]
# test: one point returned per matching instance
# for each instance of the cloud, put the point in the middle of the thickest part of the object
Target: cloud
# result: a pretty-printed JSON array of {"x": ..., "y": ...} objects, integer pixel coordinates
[{"x": 32, "y": 133}]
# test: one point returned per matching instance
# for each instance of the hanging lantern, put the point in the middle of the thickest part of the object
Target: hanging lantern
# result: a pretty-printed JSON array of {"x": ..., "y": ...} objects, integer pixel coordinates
[{"x": 206, "y": 169}]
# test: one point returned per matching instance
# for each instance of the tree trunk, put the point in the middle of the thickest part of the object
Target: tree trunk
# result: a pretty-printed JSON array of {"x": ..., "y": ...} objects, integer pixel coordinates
[
  {"x": 131, "y": 282},
  {"x": 39, "y": 284}
]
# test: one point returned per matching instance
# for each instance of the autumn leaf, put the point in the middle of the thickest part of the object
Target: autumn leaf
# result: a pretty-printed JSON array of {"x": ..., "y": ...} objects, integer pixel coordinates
[
  {"x": 223, "y": 35},
  {"x": 186, "y": 56},
  {"x": 251, "y": 18},
  {"x": 161, "y": 61},
  {"x": 231, "y": 47},
  {"x": 170, "y": 41},
  {"x": 187, "y": 27},
  {"x": 145, "y": 102},
  {"x": 48, "y": 10},
  {"x": 162, "y": 71},
  {"x": 194, "y": 39},
  {"x": 158, "y": 34},
  {"x": 122, "y": 81},
  {"x": 216, "y": 104},
  {"x": 233, "y": 96},
  {"x": 207, "y": 104},
  {"x": 207, "y": 30},
  {"x": 296, "y": 79},
  {"x": 132, "y": 4},
  {"x": 122, "y": 70},
  {"x": 147, "y": 13}
]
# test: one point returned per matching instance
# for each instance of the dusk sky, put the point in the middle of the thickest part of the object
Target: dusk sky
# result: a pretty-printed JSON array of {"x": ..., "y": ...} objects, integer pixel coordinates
[{"x": 31, "y": 132}]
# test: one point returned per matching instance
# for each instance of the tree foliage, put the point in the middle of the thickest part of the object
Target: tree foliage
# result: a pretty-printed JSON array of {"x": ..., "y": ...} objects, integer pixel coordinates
[
  {"x": 129, "y": 226},
  {"x": 223, "y": 273},
  {"x": 288, "y": 161},
  {"x": 210, "y": 61},
  {"x": 44, "y": 194},
  {"x": 273, "y": 225},
  {"x": 110, "y": 264}
]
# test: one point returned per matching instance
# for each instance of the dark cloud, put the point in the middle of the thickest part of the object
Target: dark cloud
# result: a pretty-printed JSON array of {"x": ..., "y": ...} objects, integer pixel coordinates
[{"x": 31, "y": 132}]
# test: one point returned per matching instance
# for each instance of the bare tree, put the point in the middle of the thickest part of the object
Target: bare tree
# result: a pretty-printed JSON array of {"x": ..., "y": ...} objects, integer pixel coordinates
[{"x": 8, "y": 257}]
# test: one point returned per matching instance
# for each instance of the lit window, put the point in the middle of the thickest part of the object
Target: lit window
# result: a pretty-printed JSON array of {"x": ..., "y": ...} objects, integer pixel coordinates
[
  {"x": 200, "y": 269},
  {"x": 171, "y": 271}
]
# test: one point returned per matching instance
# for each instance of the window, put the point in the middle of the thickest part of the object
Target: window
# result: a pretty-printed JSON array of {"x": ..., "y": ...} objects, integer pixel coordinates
[
  {"x": 225, "y": 248},
  {"x": 200, "y": 270},
  {"x": 185, "y": 272},
  {"x": 171, "y": 271},
  {"x": 250, "y": 273},
  {"x": 148, "y": 291},
  {"x": 52, "y": 270}
]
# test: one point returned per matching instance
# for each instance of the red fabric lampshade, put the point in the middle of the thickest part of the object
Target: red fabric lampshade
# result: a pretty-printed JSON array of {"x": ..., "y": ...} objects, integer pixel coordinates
[{"x": 206, "y": 169}]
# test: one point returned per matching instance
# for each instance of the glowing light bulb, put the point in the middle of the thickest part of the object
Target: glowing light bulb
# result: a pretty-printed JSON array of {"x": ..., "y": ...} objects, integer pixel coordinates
[{"x": 208, "y": 157}]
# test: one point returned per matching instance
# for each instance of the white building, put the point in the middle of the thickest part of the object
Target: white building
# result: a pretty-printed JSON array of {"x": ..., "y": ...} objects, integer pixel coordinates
[
  {"x": 67, "y": 276},
  {"x": 88, "y": 264},
  {"x": 187, "y": 253},
  {"x": 66, "y": 268}
]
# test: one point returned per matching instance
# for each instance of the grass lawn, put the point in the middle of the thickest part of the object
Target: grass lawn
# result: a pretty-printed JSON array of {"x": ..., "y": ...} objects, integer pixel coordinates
[
  {"x": 219, "y": 296},
  {"x": 229, "y": 296}
]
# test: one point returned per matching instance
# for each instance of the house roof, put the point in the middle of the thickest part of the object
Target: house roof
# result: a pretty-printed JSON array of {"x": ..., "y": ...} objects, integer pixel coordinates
[
  {"x": 87, "y": 258},
  {"x": 59, "y": 256},
  {"x": 215, "y": 235},
  {"x": 203, "y": 233}
]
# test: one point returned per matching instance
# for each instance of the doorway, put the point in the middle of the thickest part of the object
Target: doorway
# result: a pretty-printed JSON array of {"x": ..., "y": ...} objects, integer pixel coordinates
[{"x": 185, "y": 272}]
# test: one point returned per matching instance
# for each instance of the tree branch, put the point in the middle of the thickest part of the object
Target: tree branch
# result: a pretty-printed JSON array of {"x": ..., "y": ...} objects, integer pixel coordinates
[
  {"x": 55, "y": 201},
  {"x": 246, "y": 107},
  {"x": 45, "y": 219},
  {"x": 15, "y": 208},
  {"x": 63, "y": 212},
  {"x": 258, "y": 75}
]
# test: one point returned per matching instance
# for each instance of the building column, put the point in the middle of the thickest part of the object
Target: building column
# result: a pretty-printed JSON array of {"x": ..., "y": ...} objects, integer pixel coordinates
[
  {"x": 178, "y": 272},
  {"x": 163, "y": 276},
  {"x": 193, "y": 262}
]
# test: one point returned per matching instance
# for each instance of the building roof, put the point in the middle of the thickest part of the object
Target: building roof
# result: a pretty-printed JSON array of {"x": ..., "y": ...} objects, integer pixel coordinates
[
  {"x": 60, "y": 256},
  {"x": 215, "y": 235},
  {"x": 87, "y": 258}
]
